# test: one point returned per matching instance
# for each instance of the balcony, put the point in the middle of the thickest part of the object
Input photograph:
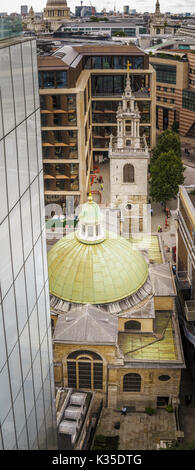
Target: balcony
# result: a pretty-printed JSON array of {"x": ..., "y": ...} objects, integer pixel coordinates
[
  {"x": 189, "y": 309},
  {"x": 182, "y": 280}
]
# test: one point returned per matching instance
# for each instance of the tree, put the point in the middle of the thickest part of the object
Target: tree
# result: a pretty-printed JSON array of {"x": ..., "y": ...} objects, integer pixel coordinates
[
  {"x": 119, "y": 33},
  {"x": 175, "y": 126},
  {"x": 166, "y": 176},
  {"x": 168, "y": 140}
]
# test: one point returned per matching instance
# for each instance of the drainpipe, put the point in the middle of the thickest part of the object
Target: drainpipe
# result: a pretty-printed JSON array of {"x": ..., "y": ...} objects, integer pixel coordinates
[{"x": 107, "y": 379}]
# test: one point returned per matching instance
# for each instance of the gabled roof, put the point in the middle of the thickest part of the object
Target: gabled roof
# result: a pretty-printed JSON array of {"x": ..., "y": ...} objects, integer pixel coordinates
[{"x": 86, "y": 325}]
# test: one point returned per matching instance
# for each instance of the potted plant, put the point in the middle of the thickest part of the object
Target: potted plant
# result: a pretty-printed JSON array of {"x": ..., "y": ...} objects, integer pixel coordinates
[
  {"x": 169, "y": 408},
  {"x": 150, "y": 411}
]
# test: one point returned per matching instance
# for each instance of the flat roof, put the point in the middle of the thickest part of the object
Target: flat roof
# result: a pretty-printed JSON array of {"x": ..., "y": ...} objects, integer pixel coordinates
[
  {"x": 7, "y": 42},
  {"x": 51, "y": 62},
  {"x": 110, "y": 24},
  {"x": 150, "y": 244},
  {"x": 109, "y": 49},
  {"x": 160, "y": 346}
]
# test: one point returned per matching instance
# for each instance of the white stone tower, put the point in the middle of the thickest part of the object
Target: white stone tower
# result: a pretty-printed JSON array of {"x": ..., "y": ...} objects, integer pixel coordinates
[
  {"x": 128, "y": 153},
  {"x": 157, "y": 24}
]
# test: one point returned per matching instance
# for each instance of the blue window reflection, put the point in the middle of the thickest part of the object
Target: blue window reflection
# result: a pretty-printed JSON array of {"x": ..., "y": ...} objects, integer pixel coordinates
[
  {"x": 61, "y": 79},
  {"x": 48, "y": 80}
]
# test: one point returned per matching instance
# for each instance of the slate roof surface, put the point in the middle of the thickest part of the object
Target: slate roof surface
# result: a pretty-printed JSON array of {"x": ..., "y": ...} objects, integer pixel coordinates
[{"x": 86, "y": 324}]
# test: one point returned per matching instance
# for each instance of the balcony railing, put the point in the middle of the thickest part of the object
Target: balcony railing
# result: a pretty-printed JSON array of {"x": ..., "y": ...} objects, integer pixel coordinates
[
  {"x": 182, "y": 280},
  {"x": 189, "y": 309},
  {"x": 128, "y": 149}
]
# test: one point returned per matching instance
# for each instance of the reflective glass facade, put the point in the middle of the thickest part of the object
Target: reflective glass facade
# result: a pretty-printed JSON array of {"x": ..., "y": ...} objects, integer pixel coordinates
[
  {"x": 165, "y": 73},
  {"x": 10, "y": 26},
  {"x": 27, "y": 399},
  {"x": 114, "y": 62},
  {"x": 188, "y": 99}
]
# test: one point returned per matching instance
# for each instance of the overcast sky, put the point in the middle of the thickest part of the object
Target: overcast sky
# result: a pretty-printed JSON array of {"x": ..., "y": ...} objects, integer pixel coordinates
[{"x": 173, "y": 6}]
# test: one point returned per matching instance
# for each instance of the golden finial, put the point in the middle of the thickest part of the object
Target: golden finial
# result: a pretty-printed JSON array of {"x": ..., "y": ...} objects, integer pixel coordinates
[
  {"x": 90, "y": 198},
  {"x": 128, "y": 65}
]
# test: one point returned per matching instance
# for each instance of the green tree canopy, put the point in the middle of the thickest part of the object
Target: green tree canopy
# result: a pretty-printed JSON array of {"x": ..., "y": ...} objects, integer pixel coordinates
[
  {"x": 168, "y": 140},
  {"x": 166, "y": 176},
  {"x": 119, "y": 33}
]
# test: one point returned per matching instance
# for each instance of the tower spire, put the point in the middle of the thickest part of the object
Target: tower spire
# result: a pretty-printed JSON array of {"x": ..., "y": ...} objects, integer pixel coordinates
[
  {"x": 128, "y": 82},
  {"x": 157, "y": 9}
]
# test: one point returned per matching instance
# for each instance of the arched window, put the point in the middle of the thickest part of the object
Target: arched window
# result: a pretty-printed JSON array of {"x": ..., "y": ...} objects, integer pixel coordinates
[
  {"x": 85, "y": 370},
  {"x": 128, "y": 173},
  {"x": 131, "y": 383},
  {"x": 132, "y": 325}
]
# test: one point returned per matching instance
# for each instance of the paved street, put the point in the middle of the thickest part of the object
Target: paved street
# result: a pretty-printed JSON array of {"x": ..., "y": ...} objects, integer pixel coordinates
[{"x": 138, "y": 431}]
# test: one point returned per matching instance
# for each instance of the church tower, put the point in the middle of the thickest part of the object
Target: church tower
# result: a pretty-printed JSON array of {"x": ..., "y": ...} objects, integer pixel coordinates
[
  {"x": 128, "y": 153},
  {"x": 157, "y": 8},
  {"x": 157, "y": 25}
]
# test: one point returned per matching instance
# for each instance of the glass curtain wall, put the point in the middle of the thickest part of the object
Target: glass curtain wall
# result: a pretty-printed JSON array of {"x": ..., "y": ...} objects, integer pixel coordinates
[{"x": 27, "y": 399}]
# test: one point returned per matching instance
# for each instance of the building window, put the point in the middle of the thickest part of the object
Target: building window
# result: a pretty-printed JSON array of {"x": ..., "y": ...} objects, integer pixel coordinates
[
  {"x": 132, "y": 325},
  {"x": 51, "y": 79},
  {"x": 61, "y": 79},
  {"x": 85, "y": 370},
  {"x": 106, "y": 62},
  {"x": 128, "y": 173},
  {"x": 129, "y": 32},
  {"x": 188, "y": 100},
  {"x": 118, "y": 62},
  {"x": 164, "y": 378},
  {"x": 48, "y": 80},
  {"x": 97, "y": 62},
  {"x": 132, "y": 383},
  {"x": 165, "y": 73},
  {"x": 162, "y": 402}
]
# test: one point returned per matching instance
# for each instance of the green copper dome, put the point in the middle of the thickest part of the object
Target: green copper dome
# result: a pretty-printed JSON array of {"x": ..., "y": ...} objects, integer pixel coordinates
[{"x": 95, "y": 273}]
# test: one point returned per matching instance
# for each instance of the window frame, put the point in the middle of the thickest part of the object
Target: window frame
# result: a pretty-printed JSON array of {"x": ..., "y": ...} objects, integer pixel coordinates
[
  {"x": 87, "y": 357},
  {"x": 130, "y": 177},
  {"x": 136, "y": 384}
]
